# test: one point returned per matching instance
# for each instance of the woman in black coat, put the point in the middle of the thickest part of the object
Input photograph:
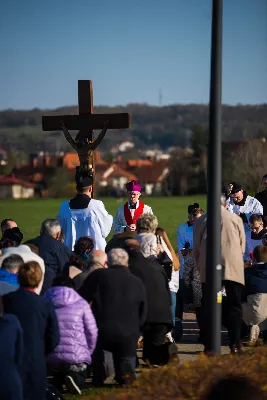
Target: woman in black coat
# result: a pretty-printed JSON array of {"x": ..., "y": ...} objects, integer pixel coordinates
[
  {"x": 10, "y": 357},
  {"x": 40, "y": 329}
]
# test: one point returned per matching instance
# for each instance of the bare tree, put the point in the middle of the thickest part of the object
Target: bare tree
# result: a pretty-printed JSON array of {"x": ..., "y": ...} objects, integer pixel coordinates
[
  {"x": 180, "y": 170},
  {"x": 248, "y": 165}
]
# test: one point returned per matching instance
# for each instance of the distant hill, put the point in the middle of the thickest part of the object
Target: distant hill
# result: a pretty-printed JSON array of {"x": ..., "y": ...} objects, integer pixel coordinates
[{"x": 151, "y": 126}]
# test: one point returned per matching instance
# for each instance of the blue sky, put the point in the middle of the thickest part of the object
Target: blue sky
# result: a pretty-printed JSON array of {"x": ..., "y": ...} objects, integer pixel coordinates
[{"x": 129, "y": 49}]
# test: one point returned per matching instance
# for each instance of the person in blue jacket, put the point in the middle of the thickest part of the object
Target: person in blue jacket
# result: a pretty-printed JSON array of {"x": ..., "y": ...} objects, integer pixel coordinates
[
  {"x": 40, "y": 329},
  {"x": 11, "y": 348},
  {"x": 10, "y": 268}
]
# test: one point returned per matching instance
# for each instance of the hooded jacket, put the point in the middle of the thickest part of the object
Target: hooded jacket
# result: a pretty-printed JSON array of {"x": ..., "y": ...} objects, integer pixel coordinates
[
  {"x": 77, "y": 327},
  {"x": 27, "y": 255},
  {"x": 8, "y": 277}
]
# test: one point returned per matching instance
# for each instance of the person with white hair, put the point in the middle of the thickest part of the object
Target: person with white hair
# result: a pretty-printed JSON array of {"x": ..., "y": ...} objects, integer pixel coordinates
[
  {"x": 118, "y": 301},
  {"x": 27, "y": 255},
  {"x": 96, "y": 259},
  {"x": 146, "y": 226},
  {"x": 54, "y": 253}
]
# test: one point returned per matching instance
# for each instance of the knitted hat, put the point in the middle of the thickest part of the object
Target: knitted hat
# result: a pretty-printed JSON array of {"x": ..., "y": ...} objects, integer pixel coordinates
[{"x": 13, "y": 234}]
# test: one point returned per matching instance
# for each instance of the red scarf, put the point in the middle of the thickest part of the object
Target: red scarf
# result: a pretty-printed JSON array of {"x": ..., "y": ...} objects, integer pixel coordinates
[
  {"x": 29, "y": 289},
  {"x": 128, "y": 216}
]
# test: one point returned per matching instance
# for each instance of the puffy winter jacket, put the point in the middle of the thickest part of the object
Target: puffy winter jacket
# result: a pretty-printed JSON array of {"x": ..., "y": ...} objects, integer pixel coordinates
[
  {"x": 8, "y": 277},
  {"x": 77, "y": 327}
]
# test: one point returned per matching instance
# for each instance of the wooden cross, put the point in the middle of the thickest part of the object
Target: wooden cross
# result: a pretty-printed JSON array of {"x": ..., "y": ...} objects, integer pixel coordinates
[{"x": 86, "y": 122}]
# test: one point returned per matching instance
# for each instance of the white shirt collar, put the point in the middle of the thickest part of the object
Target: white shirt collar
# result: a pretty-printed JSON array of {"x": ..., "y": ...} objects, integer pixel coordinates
[{"x": 137, "y": 204}]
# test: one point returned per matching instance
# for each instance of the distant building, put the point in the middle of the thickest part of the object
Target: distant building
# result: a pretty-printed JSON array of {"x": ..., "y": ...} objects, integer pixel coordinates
[
  {"x": 112, "y": 176},
  {"x": 122, "y": 147},
  {"x": 3, "y": 157},
  {"x": 15, "y": 188},
  {"x": 152, "y": 177}
]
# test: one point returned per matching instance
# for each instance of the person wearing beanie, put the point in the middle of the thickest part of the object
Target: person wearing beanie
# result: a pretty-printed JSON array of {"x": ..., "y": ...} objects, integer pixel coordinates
[
  {"x": 83, "y": 216},
  {"x": 127, "y": 214},
  {"x": 242, "y": 204},
  {"x": 12, "y": 235}
]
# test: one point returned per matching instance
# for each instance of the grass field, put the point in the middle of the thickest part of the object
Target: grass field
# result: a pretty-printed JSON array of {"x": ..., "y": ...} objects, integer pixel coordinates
[{"x": 29, "y": 214}]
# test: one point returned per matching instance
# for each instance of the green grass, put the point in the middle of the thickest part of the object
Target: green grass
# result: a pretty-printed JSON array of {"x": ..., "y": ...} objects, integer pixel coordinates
[{"x": 29, "y": 214}]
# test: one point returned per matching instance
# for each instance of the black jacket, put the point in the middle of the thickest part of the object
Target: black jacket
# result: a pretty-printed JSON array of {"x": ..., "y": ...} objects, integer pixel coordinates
[
  {"x": 256, "y": 279},
  {"x": 118, "y": 240},
  {"x": 11, "y": 352},
  {"x": 119, "y": 306},
  {"x": 262, "y": 198},
  {"x": 56, "y": 258},
  {"x": 155, "y": 280},
  {"x": 40, "y": 336},
  {"x": 34, "y": 241}
]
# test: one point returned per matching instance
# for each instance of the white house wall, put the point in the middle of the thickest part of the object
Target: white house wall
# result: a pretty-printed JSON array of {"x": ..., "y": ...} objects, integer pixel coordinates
[{"x": 21, "y": 192}]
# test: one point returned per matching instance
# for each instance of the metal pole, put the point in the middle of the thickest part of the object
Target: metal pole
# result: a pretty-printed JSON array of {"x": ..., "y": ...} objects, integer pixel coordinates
[{"x": 213, "y": 262}]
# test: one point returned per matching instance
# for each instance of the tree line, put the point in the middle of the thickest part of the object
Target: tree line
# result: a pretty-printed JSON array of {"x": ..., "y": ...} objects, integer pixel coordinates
[{"x": 161, "y": 127}]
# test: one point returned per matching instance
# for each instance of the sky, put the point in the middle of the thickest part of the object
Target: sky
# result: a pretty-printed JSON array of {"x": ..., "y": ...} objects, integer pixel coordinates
[{"x": 130, "y": 49}]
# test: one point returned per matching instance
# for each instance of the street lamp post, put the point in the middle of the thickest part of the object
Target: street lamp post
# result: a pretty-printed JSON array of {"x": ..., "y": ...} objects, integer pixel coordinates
[{"x": 213, "y": 262}]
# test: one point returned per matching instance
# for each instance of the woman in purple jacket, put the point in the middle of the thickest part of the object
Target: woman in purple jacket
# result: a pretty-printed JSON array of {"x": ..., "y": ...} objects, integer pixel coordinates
[{"x": 78, "y": 335}]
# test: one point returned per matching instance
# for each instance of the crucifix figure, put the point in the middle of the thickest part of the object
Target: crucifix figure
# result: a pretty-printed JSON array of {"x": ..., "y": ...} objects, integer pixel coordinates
[
  {"x": 84, "y": 148},
  {"x": 86, "y": 122}
]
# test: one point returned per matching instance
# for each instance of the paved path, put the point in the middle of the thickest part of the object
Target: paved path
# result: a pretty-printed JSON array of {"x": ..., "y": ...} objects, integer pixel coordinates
[{"x": 189, "y": 348}]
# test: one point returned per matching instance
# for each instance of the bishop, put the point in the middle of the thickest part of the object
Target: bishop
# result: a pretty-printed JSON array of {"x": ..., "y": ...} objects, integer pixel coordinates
[{"x": 127, "y": 214}]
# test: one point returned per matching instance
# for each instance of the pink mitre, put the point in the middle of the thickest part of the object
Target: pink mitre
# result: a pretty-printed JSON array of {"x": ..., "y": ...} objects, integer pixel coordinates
[{"x": 133, "y": 186}]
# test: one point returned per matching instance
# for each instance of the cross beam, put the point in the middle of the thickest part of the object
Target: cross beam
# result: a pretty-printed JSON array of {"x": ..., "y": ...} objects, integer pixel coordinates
[{"x": 86, "y": 121}]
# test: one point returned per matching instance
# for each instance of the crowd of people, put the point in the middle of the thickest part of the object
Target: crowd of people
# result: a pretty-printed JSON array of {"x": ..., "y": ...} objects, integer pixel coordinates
[{"x": 72, "y": 305}]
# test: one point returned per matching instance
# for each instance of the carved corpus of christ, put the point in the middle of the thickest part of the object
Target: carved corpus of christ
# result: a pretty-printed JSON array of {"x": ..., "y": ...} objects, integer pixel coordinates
[{"x": 85, "y": 148}]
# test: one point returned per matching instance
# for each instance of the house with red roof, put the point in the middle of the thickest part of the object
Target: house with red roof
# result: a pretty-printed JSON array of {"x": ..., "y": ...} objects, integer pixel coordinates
[
  {"x": 15, "y": 188},
  {"x": 152, "y": 177}
]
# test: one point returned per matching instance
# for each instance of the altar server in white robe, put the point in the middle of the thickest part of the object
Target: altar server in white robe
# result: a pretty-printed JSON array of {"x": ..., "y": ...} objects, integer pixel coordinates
[
  {"x": 242, "y": 204},
  {"x": 127, "y": 214},
  {"x": 84, "y": 216},
  {"x": 254, "y": 236}
]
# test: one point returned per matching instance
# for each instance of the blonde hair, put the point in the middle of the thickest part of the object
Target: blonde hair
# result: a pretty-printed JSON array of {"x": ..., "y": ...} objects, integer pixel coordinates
[
  {"x": 30, "y": 275},
  {"x": 146, "y": 223}
]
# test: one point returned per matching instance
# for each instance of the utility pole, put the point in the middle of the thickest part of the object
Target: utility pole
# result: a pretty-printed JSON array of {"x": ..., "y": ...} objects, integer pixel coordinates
[{"x": 213, "y": 263}]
